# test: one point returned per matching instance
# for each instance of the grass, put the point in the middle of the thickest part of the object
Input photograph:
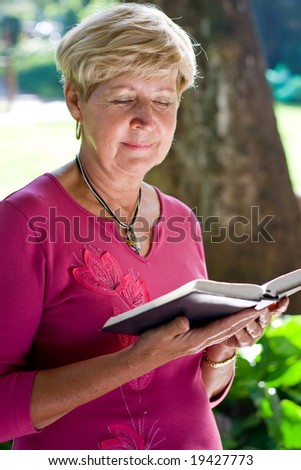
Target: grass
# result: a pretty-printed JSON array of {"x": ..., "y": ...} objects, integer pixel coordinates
[
  {"x": 289, "y": 119},
  {"x": 30, "y": 150},
  {"x": 29, "y": 147}
]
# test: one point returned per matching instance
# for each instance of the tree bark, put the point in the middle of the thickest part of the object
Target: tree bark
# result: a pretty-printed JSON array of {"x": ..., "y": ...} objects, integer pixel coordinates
[{"x": 228, "y": 161}]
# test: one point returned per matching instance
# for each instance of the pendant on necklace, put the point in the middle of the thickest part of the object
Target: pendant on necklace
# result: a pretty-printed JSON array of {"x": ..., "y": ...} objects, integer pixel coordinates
[{"x": 132, "y": 240}]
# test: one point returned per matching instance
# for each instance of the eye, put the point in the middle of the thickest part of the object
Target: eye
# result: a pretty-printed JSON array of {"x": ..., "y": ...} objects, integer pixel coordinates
[
  {"x": 121, "y": 101},
  {"x": 162, "y": 103}
]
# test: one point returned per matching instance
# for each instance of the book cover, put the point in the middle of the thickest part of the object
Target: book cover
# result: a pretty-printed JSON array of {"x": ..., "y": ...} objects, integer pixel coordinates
[{"x": 203, "y": 301}]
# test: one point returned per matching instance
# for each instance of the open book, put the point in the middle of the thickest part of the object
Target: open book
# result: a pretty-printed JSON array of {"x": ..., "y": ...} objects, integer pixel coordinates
[{"x": 203, "y": 301}]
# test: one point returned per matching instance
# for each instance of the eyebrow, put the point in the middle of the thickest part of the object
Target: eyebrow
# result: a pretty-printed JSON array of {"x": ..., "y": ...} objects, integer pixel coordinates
[{"x": 130, "y": 88}]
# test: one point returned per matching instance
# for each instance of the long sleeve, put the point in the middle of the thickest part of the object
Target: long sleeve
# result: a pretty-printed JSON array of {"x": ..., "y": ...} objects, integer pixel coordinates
[
  {"x": 21, "y": 294},
  {"x": 49, "y": 319}
]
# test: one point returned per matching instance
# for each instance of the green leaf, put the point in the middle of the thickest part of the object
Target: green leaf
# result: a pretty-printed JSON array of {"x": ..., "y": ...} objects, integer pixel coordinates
[
  {"x": 291, "y": 424},
  {"x": 287, "y": 328},
  {"x": 288, "y": 376}
]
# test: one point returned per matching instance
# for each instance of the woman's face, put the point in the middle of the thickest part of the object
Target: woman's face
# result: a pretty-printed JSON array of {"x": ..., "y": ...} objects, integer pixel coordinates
[{"x": 128, "y": 124}]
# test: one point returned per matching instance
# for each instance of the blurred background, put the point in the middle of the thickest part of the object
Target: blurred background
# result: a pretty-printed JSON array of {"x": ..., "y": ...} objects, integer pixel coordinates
[{"x": 236, "y": 159}]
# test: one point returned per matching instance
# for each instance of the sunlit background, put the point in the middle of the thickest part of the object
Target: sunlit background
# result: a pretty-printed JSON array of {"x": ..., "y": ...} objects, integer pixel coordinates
[{"x": 37, "y": 135}]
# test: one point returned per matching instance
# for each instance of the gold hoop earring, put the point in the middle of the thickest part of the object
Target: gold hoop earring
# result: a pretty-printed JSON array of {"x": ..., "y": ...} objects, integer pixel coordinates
[{"x": 78, "y": 130}]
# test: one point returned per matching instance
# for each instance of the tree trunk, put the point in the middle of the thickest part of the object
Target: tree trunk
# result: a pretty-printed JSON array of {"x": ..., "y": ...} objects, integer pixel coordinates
[{"x": 228, "y": 161}]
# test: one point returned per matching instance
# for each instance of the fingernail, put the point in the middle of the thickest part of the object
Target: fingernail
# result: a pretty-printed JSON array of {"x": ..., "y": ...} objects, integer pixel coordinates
[{"x": 273, "y": 306}]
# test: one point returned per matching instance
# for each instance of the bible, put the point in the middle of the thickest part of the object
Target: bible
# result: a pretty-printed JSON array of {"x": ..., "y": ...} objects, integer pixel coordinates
[{"x": 203, "y": 301}]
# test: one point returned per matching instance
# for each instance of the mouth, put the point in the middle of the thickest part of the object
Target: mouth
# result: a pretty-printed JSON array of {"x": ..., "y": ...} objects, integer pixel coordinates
[{"x": 137, "y": 146}]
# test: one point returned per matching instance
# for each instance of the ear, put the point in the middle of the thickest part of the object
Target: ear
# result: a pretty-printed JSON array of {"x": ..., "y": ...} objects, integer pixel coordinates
[{"x": 73, "y": 100}]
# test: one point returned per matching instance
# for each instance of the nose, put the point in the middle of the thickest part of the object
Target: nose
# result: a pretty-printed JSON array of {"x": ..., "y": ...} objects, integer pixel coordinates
[{"x": 143, "y": 117}]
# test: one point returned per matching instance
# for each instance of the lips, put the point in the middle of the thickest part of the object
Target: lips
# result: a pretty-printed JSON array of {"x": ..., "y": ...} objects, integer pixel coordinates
[{"x": 137, "y": 146}]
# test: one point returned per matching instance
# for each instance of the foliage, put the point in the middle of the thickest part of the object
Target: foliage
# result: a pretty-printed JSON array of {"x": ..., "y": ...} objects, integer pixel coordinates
[
  {"x": 5, "y": 446},
  {"x": 36, "y": 70},
  {"x": 65, "y": 11},
  {"x": 279, "y": 27},
  {"x": 280, "y": 39},
  {"x": 43, "y": 23},
  {"x": 10, "y": 30},
  {"x": 285, "y": 86},
  {"x": 263, "y": 408}
]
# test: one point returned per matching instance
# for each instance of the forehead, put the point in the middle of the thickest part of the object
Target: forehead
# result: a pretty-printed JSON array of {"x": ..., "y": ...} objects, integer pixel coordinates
[{"x": 133, "y": 84}]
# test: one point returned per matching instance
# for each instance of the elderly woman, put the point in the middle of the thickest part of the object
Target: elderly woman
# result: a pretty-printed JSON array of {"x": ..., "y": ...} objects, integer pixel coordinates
[{"x": 92, "y": 240}]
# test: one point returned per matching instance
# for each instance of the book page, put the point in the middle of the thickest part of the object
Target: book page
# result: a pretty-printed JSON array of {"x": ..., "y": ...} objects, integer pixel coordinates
[
  {"x": 284, "y": 285},
  {"x": 229, "y": 289}
]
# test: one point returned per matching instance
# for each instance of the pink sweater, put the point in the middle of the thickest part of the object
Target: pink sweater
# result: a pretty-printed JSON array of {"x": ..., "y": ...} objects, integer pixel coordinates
[{"x": 64, "y": 272}]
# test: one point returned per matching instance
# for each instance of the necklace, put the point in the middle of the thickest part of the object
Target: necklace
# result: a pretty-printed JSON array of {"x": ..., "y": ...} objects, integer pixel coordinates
[{"x": 131, "y": 238}]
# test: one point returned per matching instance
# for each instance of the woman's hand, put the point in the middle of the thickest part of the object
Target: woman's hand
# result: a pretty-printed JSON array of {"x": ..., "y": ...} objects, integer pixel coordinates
[
  {"x": 57, "y": 391},
  {"x": 254, "y": 330},
  {"x": 216, "y": 380},
  {"x": 176, "y": 339}
]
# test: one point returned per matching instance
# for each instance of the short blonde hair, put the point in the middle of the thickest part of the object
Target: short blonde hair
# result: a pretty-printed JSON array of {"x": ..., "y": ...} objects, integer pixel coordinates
[{"x": 134, "y": 39}]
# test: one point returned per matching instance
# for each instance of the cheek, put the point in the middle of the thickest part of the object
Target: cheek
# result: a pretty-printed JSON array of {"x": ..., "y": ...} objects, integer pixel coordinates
[
  {"x": 101, "y": 134},
  {"x": 173, "y": 125},
  {"x": 170, "y": 132}
]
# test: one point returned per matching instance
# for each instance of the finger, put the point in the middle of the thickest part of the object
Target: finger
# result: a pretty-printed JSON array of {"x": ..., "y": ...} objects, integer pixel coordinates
[
  {"x": 254, "y": 330},
  {"x": 263, "y": 321},
  {"x": 264, "y": 318},
  {"x": 248, "y": 336},
  {"x": 280, "y": 307},
  {"x": 223, "y": 329},
  {"x": 242, "y": 339},
  {"x": 176, "y": 327}
]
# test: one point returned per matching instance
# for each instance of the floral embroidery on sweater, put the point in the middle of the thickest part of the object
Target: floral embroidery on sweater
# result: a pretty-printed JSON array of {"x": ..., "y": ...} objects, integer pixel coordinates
[
  {"x": 138, "y": 436},
  {"x": 126, "y": 438},
  {"x": 101, "y": 273},
  {"x": 123, "y": 437}
]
